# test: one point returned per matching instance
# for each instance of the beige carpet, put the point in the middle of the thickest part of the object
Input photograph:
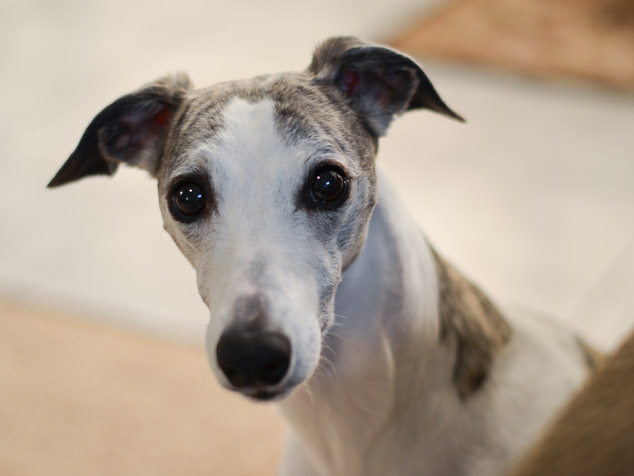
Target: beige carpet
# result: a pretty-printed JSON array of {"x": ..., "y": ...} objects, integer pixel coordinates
[{"x": 79, "y": 399}]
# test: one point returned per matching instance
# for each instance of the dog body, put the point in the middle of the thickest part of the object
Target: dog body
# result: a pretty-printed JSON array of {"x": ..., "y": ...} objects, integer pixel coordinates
[{"x": 323, "y": 293}]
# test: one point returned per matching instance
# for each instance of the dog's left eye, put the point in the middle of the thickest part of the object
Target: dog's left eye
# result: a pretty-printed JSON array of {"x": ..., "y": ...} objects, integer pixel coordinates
[
  {"x": 188, "y": 201},
  {"x": 329, "y": 187}
]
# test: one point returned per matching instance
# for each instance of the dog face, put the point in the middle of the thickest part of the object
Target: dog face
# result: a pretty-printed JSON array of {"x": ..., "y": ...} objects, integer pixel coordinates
[
  {"x": 269, "y": 201},
  {"x": 267, "y": 187}
]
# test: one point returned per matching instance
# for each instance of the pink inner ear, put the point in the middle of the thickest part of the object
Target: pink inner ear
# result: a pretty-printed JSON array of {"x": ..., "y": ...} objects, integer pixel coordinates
[
  {"x": 140, "y": 134},
  {"x": 349, "y": 82},
  {"x": 163, "y": 117}
]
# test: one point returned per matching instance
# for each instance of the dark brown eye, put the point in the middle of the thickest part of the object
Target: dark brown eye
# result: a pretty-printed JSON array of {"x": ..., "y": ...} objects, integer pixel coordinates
[
  {"x": 188, "y": 201},
  {"x": 329, "y": 187}
]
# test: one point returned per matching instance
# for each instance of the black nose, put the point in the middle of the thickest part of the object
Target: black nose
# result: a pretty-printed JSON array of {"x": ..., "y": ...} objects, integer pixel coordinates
[{"x": 253, "y": 357}]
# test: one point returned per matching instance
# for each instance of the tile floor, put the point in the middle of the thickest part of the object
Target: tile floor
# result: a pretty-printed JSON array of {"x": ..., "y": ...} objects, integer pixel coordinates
[{"x": 533, "y": 197}]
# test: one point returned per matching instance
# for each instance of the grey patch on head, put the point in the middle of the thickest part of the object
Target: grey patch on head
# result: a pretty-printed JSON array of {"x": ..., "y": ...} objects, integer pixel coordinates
[
  {"x": 472, "y": 325},
  {"x": 313, "y": 112},
  {"x": 305, "y": 111},
  {"x": 591, "y": 356}
]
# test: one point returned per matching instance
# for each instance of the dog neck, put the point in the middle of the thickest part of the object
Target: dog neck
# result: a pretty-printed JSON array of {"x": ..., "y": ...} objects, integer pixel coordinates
[{"x": 408, "y": 328}]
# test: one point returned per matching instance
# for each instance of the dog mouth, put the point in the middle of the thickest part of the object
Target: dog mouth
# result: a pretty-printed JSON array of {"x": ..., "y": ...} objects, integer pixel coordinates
[
  {"x": 270, "y": 393},
  {"x": 266, "y": 395}
]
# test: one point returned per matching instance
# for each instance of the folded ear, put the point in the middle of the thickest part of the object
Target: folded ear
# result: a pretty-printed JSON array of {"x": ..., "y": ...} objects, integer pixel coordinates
[
  {"x": 377, "y": 81},
  {"x": 131, "y": 130}
]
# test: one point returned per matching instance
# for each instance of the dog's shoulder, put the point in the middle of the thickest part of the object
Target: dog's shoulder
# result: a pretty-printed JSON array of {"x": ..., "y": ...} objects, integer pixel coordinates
[{"x": 470, "y": 322}]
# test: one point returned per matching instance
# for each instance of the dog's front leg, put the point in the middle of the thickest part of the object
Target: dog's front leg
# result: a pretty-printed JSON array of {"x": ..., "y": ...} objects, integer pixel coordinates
[{"x": 294, "y": 461}]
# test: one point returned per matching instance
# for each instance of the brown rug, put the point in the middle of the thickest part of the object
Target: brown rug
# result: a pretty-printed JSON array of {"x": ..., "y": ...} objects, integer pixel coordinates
[
  {"x": 78, "y": 399},
  {"x": 585, "y": 39}
]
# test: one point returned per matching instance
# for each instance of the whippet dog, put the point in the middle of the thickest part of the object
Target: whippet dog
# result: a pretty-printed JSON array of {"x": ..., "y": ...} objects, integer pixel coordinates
[{"x": 323, "y": 293}]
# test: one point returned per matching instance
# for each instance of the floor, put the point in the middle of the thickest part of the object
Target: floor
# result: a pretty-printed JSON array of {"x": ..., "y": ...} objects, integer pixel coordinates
[
  {"x": 82, "y": 399},
  {"x": 532, "y": 197}
]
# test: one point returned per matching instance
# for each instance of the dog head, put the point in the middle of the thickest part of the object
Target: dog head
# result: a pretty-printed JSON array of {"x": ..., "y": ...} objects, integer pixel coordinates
[{"x": 267, "y": 187}]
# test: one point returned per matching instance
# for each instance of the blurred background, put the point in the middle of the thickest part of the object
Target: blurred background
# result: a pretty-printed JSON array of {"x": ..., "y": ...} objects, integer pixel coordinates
[{"x": 102, "y": 367}]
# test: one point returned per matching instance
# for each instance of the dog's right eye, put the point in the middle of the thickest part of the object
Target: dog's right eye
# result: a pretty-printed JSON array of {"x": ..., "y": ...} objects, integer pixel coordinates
[{"x": 188, "y": 201}]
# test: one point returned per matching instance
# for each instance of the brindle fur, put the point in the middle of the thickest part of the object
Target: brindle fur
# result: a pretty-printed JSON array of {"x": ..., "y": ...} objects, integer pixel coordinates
[{"x": 471, "y": 324}]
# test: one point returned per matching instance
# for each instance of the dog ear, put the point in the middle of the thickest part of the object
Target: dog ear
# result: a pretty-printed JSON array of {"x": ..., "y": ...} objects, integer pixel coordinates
[
  {"x": 131, "y": 130},
  {"x": 377, "y": 81}
]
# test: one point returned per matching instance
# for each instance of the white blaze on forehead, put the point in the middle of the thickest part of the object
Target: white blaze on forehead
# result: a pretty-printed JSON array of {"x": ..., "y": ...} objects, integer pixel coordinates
[{"x": 249, "y": 163}]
